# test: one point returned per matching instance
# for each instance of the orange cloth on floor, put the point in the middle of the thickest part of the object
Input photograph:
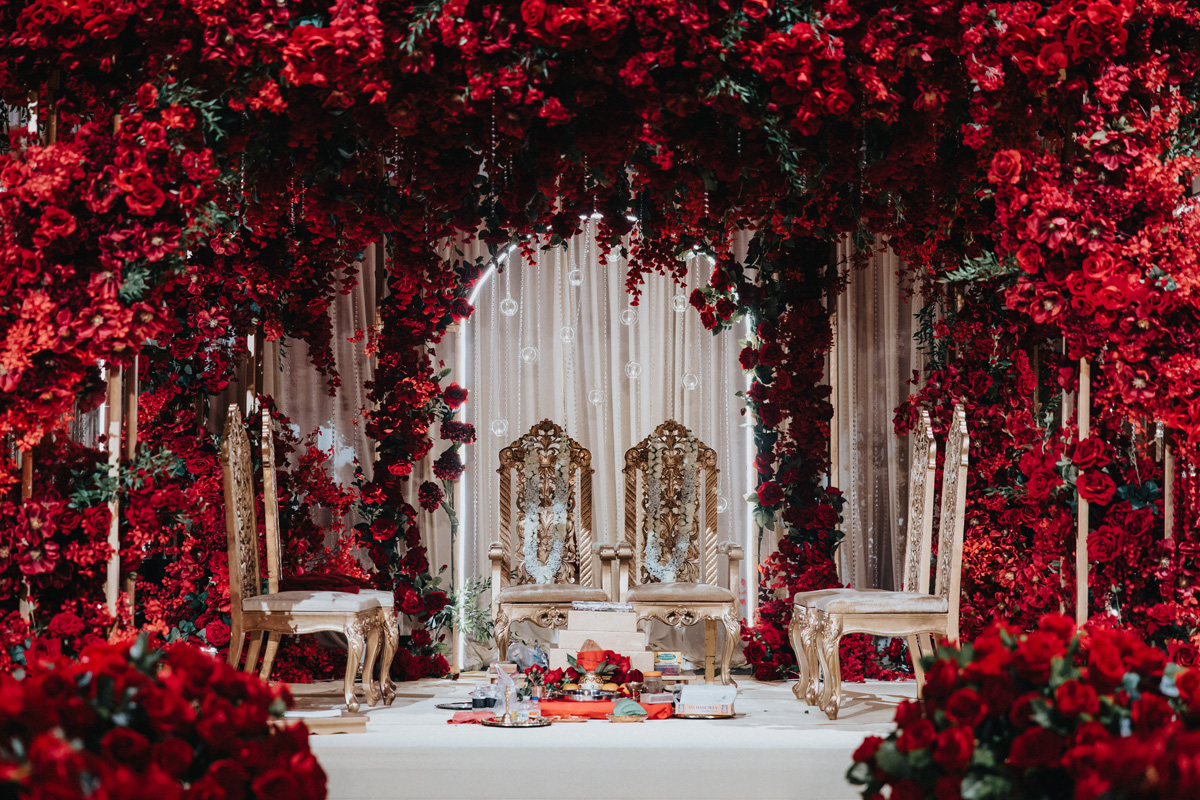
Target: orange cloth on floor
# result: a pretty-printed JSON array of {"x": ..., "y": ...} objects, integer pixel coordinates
[
  {"x": 473, "y": 717},
  {"x": 599, "y": 710}
]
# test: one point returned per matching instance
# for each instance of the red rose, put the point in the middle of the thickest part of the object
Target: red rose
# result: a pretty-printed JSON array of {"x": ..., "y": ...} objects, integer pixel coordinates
[
  {"x": 454, "y": 395},
  {"x": 435, "y": 602},
  {"x": 532, "y": 12},
  {"x": 954, "y": 748},
  {"x": 1075, "y": 698},
  {"x": 460, "y": 309},
  {"x": 918, "y": 736},
  {"x": 1105, "y": 667},
  {"x": 126, "y": 746},
  {"x": 54, "y": 223},
  {"x": 770, "y": 494},
  {"x": 764, "y": 463},
  {"x": 1006, "y": 167},
  {"x": 867, "y": 750},
  {"x": 278, "y": 784},
  {"x": 144, "y": 197},
  {"x": 907, "y": 789},
  {"x": 420, "y": 637},
  {"x": 1184, "y": 654},
  {"x": 1188, "y": 684},
  {"x": 1103, "y": 543},
  {"x": 65, "y": 625},
  {"x": 410, "y": 602},
  {"x": 1034, "y": 654},
  {"x": 216, "y": 633},
  {"x": 1036, "y": 747},
  {"x": 756, "y": 9},
  {"x": 1095, "y": 487},
  {"x": 965, "y": 707},
  {"x": 748, "y": 358},
  {"x": 1091, "y": 453}
]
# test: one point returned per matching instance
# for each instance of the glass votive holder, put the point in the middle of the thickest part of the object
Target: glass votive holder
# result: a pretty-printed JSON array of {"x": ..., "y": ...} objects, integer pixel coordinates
[{"x": 652, "y": 682}]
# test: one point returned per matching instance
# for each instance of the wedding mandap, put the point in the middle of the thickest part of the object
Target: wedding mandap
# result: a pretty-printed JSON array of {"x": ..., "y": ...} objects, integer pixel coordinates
[{"x": 761, "y": 400}]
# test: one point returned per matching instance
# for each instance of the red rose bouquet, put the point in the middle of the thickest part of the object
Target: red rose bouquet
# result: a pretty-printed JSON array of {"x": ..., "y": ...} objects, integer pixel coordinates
[
  {"x": 1049, "y": 714},
  {"x": 127, "y": 721}
]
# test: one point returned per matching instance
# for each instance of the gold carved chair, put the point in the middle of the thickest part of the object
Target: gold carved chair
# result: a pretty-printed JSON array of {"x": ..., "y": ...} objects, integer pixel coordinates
[
  {"x": 909, "y": 614},
  {"x": 549, "y": 563},
  {"x": 922, "y": 469},
  {"x": 675, "y": 569},
  {"x": 365, "y": 618}
]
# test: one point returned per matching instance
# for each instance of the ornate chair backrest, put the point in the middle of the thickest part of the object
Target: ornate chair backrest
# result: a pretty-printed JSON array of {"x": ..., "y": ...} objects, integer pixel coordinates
[
  {"x": 954, "y": 506},
  {"x": 554, "y": 477},
  {"x": 270, "y": 505},
  {"x": 674, "y": 470},
  {"x": 241, "y": 522},
  {"x": 922, "y": 480}
]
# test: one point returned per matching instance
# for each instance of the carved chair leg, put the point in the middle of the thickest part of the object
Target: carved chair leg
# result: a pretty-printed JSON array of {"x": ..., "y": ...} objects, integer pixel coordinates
[
  {"x": 831, "y": 637},
  {"x": 914, "y": 651},
  {"x": 269, "y": 655},
  {"x": 796, "y": 630},
  {"x": 354, "y": 653},
  {"x": 256, "y": 640},
  {"x": 732, "y": 634},
  {"x": 237, "y": 640},
  {"x": 810, "y": 632},
  {"x": 391, "y": 640},
  {"x": 710, "y": 651},
  {"x": 374, "y": 630},
  {"x": 502, "y": 624}
]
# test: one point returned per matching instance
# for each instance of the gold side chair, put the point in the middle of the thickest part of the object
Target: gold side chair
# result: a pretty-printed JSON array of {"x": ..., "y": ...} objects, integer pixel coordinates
[
  {"x": 544, "y": 598},
  {"x": 364, "y": 618},
  {"x": 922, "y": 466},
  {"x": 690, "y": 593},
  {"x": 903, "y": 613}
]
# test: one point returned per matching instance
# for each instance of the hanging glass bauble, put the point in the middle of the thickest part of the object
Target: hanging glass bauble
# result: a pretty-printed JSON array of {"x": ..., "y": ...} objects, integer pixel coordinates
[
  {"x": 690, "y": 381},
  {"x": 722, "y": 504},
  {"x": 499, "y": 427},
  {"x": 633, "y": 369},
  {"x": 679, "y": 302},
  {"x": 596, "y": 397},
  {"x": 567, "y": 334},
  {"x": 508, "y": 306},
  {"x": 575, "y": 277},
  {"x": 628, "y": 316},
  {"x": 529, "y": 354}
]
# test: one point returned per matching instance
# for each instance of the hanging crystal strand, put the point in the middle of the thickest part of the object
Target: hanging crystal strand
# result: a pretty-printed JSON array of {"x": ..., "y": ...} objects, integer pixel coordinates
[
  {"x": 499, "y": 424},
  {"x": 241, "y": 198}
]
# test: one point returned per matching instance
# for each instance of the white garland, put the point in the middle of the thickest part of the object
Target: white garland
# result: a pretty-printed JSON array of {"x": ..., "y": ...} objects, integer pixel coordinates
[
  {"x": 552, "y": 520},
  {"x": 666, "y": 573}
]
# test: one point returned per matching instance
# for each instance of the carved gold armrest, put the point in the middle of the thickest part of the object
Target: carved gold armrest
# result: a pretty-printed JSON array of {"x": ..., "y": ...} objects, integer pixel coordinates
[
  {"x": 496, "y": 556},
  {"x": 624, "y": 558},
  {"x": 607, "y": 554},
  {"x": 736, "y": 554}
]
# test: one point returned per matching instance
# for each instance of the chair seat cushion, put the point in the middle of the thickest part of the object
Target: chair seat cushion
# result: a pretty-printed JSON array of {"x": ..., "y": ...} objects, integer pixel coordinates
[
  {"x": 312, "y": 601},
  {"x": 679, "y": 593},
  {"x": 862, "y": 601},
  {"x": 550, "y": 593},
  {"x": 809, "y": 599}
]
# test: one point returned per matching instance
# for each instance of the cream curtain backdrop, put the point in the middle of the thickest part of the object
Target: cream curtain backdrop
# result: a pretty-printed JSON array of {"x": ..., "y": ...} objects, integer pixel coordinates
[
  {"x": 572, "y": 311},
  {"x": 872, "y": 361}
]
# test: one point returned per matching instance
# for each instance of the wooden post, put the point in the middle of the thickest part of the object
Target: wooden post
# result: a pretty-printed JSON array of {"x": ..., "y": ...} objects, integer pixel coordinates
[
  {"x": 1169, "y": 492},
  {"x": 1081, "y": 531},
  {"x": 130, "y": 385},
  {"x": 112, "y": 585},
  {"x": 24, "y": 603}
]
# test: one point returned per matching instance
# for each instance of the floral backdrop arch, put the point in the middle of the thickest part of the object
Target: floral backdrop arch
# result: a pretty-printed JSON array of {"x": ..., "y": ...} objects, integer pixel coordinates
[{"x": 184, "y": 174}]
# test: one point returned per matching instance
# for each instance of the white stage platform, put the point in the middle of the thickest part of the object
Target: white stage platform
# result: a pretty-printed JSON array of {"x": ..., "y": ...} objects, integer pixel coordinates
[{"x": 778, "y": 748}]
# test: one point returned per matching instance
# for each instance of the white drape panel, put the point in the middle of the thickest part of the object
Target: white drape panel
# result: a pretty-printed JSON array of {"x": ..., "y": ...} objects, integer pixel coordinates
[
  {"x": 668, "y": 344},
  {"x": 874, "y": 357}
]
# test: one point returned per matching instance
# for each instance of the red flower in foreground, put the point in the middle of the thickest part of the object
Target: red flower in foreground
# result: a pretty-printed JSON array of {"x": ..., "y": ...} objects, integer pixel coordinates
[{"x": 1095, "y": 487}]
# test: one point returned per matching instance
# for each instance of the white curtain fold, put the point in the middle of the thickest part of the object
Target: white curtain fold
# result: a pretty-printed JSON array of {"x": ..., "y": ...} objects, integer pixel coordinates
[{"x": 874, "y": 357}]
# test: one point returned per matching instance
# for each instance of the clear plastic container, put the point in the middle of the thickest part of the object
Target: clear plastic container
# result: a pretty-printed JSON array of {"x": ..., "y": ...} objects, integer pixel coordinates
[{"x": 652, "y": 682}]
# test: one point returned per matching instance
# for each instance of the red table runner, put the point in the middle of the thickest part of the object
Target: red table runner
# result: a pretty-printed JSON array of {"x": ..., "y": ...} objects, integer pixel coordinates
[{"x": 598, "y": 710}]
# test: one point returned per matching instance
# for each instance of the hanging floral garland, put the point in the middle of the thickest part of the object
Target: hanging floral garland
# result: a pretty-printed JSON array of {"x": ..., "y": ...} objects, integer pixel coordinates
[
  {"x": 680, "y": 530},
  {"x": 536, "y": 520}
]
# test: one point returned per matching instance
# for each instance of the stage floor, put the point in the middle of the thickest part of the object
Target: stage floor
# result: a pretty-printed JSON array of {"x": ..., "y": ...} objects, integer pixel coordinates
[{"x": 776, "y": 748}]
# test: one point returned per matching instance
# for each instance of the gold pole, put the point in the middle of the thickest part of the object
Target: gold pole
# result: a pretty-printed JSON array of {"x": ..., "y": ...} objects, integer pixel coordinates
[
  {"x": 1081, "y": 531},
  {"x": 112, "y": 585},
  {"x": 1169, "y": 492}
]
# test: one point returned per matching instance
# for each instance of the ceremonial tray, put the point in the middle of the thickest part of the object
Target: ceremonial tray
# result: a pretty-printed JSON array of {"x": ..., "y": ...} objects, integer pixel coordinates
[{"x": 498, "y": 722}]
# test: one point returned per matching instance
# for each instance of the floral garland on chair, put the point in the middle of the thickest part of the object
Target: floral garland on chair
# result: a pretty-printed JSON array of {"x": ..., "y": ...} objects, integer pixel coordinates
[
  {"x": 552, "y": 521},
  {"x": 666, "y": 573}
]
